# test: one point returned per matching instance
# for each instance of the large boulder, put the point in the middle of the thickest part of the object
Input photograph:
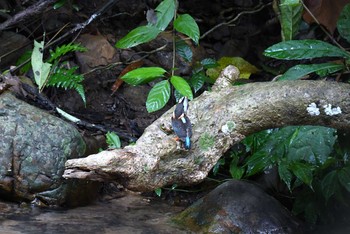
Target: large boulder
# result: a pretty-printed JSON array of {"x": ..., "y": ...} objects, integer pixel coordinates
[
  {"x": 34, "y": 146},
  {"x": 238, "y": 207}
]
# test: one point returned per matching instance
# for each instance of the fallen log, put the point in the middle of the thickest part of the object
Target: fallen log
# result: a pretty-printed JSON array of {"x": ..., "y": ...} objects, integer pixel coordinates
[{"x": 221, "y": 118}]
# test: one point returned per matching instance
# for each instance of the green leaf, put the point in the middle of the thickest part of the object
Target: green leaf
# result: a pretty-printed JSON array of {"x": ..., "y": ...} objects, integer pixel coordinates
[
  {"x": 217, "y": 165},
  {"x": 236, "y": 171},
  {"x": 181, "y": 85},
  {"x": 197, "y": 80},
  {"x": 165, "y": 13},
  {"x": 257, "y": 163},
  {"x": 302, "y": 171},
  {"x": 158, "y": 191},
  {"x": 285, "y": 174},
  {"x": 64, "y": 49},
  {"x": 143, "y": 75},
  {"x": 184, "y": 50},
  {"x": 113, "y": 140},
  {"x": 344, "y": 177},
  {"x": 138, "y": 36},
  {"x": 301, "y": 70},
  {"x": 177, "y": 95},
  {"x": 304, "y": 49},
  {"x": 209, "y": 63},
  {"x": 187, "y": 25},
  {"x": 291, "y": 11},
  {"x": 41, "y": 70},
  {"x": 343, "y": 23},
  {"x": 158, "y": 96},
  {"x": 313, "y": 144},
  {"x": 68, "y": 79},
  {"x": 59, "y": 4},
  {"x": 23, "y": 58},
  {"x": 330, "y": 184}
]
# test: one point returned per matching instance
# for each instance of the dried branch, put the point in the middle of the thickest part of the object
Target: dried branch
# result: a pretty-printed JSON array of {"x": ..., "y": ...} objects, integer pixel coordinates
[{"x": 26, "y": 14}]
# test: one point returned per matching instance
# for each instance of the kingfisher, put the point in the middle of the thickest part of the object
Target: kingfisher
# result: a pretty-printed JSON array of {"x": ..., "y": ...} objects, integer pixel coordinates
[{"x": 181, "y": 124}]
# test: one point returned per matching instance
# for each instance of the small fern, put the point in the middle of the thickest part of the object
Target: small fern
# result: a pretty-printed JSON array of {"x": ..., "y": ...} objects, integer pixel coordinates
[
  {"x": 68, "y": 79},
  {"x": 64, "y": 49}
]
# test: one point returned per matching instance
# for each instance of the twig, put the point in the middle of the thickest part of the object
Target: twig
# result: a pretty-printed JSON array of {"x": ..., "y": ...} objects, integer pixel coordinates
[
  {"x": 27, "y": 13},
  {"x": 256, "y": 9}
]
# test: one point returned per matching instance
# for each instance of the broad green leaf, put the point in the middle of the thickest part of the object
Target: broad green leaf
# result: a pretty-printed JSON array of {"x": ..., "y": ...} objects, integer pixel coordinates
[
  {"x": 143, "y": 75},
  {"x": 158, "y": 96},
  {"x": 187, "y": 25},
  {"x": 330, "y": 184},
  {"x": 343, "y": 23},
  {"x": 302, "y": 171},
  {"x": 181, "y": 85},
  {"x": 313, "y": 144},
  {"x": 291, "y": 11},
  {"x": 138, "y": 36},
  {"x": 304, "y": 49},
  {"x": 344, "y": 177},
  {"x": 41, "y": 70},
  {"x": 301, "y": 70},
  {"x": 165, "y": 13},
  {"x": 113, "y": 140},
  {"x": 184, "y": 50},
  {"x": 285, "y": 174}
]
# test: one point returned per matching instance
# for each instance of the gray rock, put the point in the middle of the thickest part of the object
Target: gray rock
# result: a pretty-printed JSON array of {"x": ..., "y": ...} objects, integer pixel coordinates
[
  {"x": 238, "y": 207},
  {"x": 34, "y": 147}
]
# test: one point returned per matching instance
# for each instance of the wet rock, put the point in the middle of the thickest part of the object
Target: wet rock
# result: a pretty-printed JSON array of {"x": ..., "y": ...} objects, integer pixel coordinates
[
  {"x": 34, "y": 147},
  {"x": 238, "y": 207}
]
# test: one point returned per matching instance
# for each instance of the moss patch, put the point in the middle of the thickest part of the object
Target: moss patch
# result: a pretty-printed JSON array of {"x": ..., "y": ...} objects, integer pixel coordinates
[{"x": 206, "y": 141}]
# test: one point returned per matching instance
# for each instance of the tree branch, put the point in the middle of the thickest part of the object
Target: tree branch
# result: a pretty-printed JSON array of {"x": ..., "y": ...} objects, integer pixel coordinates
[
  {"x": 220, "y": 119},
  {"x": 24, "y": 15}
]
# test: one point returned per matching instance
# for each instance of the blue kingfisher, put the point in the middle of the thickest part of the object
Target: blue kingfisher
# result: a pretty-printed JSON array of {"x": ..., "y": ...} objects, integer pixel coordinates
[{"x": 181, "y": 124}]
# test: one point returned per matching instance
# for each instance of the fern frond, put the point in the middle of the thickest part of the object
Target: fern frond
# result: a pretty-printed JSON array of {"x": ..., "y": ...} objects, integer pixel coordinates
[
  {"x": 64, "y": 49},
  {"x": 68, "y": 79}
]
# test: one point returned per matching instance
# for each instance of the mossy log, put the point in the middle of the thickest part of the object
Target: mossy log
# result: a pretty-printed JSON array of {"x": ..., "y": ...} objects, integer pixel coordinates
[{"x": 220, "y": 118}]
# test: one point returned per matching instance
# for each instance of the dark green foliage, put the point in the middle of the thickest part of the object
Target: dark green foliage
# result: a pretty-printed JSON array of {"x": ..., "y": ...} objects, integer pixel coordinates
[
  {"x": 68, "y": 79},
  {"x": 309, "y": 49},
  {"x": 158, "y": 21},
  {"x": 64, "y": 49},
  {"x": 309, "y": 162}
]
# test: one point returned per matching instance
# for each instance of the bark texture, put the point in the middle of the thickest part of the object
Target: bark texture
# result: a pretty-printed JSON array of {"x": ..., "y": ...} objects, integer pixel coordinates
[{"x": 220, "y": 119}]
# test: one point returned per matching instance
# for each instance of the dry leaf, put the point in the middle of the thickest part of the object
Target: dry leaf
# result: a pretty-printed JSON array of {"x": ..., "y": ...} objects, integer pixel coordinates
[{"x": 325, "y": 11}]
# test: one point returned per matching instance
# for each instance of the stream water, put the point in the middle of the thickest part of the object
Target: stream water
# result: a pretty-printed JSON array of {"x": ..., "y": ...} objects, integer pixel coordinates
[{"x": 129, "y": 214}]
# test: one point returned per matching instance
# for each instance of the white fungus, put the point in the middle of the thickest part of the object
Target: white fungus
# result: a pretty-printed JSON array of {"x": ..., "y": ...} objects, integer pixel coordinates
[
  {"x": 313, "y": 109},
  {"x": 328, "y": 110}
]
